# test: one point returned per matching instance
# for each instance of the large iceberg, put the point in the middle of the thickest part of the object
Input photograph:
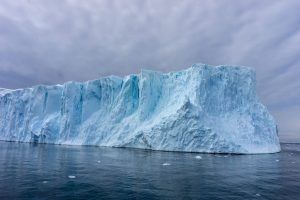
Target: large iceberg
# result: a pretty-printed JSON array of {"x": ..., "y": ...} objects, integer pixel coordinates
[{"x": 200, "y": 109}]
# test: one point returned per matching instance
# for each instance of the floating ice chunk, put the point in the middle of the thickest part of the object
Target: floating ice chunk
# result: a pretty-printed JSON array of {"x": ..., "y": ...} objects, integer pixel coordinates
[
  {"x": 258, "y": 195},
  {"x": 72, "y": 176},
  {"x": 98, "y": 161},
  {"x": 277, "y": 160},
  {"x": 166, "y": 164},
  {"x": 198, "y": 157},
  {"x": 45, "y": 182}
]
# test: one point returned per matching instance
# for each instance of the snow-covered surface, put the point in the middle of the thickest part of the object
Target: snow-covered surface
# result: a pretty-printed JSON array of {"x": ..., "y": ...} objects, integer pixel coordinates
[{"x": 200, "y": 109}]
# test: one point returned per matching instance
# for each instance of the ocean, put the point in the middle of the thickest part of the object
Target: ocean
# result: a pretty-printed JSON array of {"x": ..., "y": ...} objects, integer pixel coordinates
[{"x": 43, "y": 171}]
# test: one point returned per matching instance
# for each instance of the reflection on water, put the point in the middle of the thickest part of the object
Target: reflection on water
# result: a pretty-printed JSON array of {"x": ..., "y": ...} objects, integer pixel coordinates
[{"x": 74, "y": 172}]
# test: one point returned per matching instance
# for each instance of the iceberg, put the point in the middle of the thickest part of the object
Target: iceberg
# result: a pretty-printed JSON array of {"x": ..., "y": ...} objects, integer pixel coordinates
[{"x": 209, "y": 109}]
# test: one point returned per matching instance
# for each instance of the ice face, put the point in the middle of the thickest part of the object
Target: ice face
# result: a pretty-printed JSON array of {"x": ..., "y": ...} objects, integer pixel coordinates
[{"x": 200, "y": 109}]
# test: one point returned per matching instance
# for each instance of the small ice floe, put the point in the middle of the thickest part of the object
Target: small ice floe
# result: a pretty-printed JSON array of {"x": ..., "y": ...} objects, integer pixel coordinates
[
  {"x": 166, "y": 164},
  {"x": 45, "y": 182},
  {"x": 72, "y": 176},
  {"x": 277, "y": 160},
  {"x": 198, "y": 157},
  {"x": 258, "y": 195},
  {"x": 98, "y": 161},
  {"x": 293, "y": 162},
  {"x": 225, "y": 156}
]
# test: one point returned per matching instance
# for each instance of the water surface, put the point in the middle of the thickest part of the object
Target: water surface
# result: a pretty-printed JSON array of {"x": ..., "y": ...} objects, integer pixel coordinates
[{"x": 31, "y": 171}]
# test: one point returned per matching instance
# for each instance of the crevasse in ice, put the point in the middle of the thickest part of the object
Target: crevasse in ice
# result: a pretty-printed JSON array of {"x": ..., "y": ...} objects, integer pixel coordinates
[{"x": 200, "y": 109}]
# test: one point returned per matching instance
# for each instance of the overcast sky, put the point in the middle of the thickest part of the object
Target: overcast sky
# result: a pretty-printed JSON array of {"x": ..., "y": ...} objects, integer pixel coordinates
[{"x": 53, "y": 41}]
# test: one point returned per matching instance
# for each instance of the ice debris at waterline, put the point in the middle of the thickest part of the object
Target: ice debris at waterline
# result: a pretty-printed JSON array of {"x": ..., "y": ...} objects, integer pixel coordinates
[{"x": 200, "y": 109}]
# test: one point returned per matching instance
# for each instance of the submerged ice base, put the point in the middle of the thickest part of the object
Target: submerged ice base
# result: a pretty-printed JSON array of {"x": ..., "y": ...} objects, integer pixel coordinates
[{"x": 200, "y": 109}]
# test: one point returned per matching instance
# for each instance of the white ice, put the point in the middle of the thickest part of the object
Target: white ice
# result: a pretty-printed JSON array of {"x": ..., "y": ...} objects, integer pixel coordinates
[{"x": 166, "y": 164}]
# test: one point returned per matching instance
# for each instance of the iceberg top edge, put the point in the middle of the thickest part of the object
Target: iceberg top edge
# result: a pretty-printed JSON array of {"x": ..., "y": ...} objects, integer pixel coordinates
[{"x": 115, "y": 78}]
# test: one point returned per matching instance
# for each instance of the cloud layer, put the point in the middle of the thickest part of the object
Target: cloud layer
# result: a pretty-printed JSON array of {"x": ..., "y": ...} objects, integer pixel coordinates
[{"x": 55, "y": 41}]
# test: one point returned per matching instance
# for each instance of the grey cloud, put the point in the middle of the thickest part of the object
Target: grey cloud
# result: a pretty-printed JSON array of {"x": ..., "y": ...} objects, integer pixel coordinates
[{"x": 56, "y": 41}]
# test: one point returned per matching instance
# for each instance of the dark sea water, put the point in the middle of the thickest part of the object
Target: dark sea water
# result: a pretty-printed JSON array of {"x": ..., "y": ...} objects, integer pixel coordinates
[{"x": 29, "y": 171}]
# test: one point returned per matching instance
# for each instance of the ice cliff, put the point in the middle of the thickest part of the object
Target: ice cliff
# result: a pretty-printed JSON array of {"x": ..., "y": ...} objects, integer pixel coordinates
[{"x": 200, "y": 109}]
